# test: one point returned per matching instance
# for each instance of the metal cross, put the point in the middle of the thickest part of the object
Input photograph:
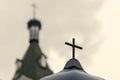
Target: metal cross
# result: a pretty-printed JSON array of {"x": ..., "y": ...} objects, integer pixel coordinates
[
  {"x": 34, "y": 9},
  {"x": 73, "y": 47}
]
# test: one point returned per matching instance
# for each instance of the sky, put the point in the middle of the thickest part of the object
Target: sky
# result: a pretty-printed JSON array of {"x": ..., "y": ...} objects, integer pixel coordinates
[{"x": 93, "y": 23}]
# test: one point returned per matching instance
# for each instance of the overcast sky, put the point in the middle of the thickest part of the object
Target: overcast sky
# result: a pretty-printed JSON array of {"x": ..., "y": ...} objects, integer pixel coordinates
[{"x": 94, "y": 24}]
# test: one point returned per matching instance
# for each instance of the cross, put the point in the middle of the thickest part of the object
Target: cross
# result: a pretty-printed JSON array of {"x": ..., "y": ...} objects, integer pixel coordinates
[
  {"x": 34, "y": 9},
  {"x": 73, "y": 47}
]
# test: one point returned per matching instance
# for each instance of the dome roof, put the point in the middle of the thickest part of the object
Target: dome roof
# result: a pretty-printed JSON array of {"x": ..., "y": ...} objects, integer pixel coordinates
[
  {"x": 72, "y": 71},
  {"x": 34, "y": 22}
]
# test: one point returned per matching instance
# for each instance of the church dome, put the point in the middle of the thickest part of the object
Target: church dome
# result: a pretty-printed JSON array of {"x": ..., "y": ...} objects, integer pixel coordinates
[
  {"x": 72, "y": 71},
  {"x": 34, "y": 22}
]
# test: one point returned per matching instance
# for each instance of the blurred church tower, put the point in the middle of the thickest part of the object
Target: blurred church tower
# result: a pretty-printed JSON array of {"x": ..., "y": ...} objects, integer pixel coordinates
[{"x": 33, "y": 66}]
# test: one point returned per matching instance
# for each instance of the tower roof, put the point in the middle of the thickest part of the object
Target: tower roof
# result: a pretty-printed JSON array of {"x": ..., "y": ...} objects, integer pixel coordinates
[
  {"x": 30, "y": 63},
  {"x": 73, "y": 63},
  {"x": 34, "y": 22}
]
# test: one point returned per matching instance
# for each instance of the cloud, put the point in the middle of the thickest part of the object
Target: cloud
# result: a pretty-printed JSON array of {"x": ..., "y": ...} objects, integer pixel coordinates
[
  {"x": 61, "y": 21},
  {"x": 64, "y": 20}
]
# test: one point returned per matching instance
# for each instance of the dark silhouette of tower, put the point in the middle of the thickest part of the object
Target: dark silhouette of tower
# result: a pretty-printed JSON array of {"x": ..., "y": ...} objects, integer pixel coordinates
[{"x": 33, "y": 66}]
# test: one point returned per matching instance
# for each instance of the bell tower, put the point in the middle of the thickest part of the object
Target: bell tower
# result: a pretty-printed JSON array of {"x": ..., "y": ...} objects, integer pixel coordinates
[
  {"x": 34, "y": 26},
  {"x": 34, "y": 65}
]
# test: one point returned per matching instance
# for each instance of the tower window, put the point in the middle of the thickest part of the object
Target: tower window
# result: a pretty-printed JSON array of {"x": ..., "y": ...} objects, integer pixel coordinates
[
  {"x": 42, "y": 62},
  {"x": 34, "y": 32},
  {"x": 18, "y": 63}
]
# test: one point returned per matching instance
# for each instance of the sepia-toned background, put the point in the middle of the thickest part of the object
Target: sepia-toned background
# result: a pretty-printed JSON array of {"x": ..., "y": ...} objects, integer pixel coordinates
[{"x": 94, "y": 23}]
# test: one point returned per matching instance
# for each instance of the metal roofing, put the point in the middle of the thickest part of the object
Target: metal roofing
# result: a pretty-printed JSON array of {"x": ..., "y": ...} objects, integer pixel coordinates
[
  {"x": 72, "y": 71},
  {"x": 30, "y": 66}
]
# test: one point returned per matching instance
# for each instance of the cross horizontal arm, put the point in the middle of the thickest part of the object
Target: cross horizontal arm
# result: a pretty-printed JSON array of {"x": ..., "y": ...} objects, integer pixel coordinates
[{"x": 74, "y": 45}]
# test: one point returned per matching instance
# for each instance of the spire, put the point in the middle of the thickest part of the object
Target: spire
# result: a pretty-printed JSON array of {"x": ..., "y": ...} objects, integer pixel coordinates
[
  {"x": 34, "y": 26},
  {"x": 73, "y": 63},
  {"x": 34, "y": 65},
  {"x": 73, "y": 47},
  {"x": 34, "y": 10}
]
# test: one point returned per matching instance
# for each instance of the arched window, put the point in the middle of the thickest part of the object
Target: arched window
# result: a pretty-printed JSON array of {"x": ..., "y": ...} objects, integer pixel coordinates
[
  {"x": 19, "y": 63},
  {"x": 42, "y": 62}
]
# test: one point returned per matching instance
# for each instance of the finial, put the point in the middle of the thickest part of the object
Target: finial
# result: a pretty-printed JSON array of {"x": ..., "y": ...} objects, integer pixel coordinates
[
  {"x": 34, "y": 10},
  {"x": 73, "y": 47}
]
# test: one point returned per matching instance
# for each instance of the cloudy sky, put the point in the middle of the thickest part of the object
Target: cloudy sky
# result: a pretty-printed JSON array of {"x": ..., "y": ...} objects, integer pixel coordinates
[{"x": 94, "y": 24}]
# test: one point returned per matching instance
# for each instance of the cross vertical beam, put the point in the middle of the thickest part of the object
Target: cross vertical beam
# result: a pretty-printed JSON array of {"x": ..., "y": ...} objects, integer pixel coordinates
[
  {"x": 34, "y": 9},
  {"x": 73, "y": 47}
]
